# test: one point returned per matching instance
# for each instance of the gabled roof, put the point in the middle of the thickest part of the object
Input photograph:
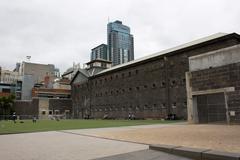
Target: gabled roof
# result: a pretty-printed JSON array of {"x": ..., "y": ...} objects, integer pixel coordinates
[
  {"x": 70, "y": 70},
  {"x": 82, "y": 71},
  {"x": 171, "y": 51}
]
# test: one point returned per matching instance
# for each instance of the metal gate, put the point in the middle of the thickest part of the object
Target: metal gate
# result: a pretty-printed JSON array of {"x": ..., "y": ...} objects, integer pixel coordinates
[{"x": 211, "y": 108}]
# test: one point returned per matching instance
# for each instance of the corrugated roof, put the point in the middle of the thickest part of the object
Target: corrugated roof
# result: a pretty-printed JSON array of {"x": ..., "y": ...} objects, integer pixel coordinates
[{"x": 195, "y": 42}]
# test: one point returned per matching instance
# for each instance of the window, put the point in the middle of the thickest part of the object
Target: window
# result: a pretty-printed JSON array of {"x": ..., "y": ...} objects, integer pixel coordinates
[
  {"x": 50, "y": 112},
  {"x": 137, "y": 108},
  {"x": 136, "y": 71},
  {"x": 6, "y": 90},
  {"x": 183, "y": 81},
  {"x": 153, "y": 85},
  {"x": 56, "y": 112},
  {"x": 163, "y": 84},
  {"x": 163, "y": 105},
  {"x": 122, "y": 75},
  {"x": 138, "y": 88},
  {"x": 129, "y": 74},
  {"x": 43, "y": 112},
  {"x": 145, "y": 86},
  {"x": 185, "y": 104},
  {"x": 130, "y": 89},
  {"x": 145, "y": 107},
  {"x": 173, "y": 82}
]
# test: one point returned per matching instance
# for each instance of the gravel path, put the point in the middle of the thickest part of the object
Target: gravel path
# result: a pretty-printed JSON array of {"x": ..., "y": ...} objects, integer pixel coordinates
[{"x": 217, "y": 137}]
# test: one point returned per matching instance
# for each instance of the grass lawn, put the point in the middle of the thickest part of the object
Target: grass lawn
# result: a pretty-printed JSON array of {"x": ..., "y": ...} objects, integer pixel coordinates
[{"x": 8, "y": 127}]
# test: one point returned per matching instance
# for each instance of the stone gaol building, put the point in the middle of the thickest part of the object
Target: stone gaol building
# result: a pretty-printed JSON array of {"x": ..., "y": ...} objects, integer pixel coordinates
[{"x": 150, "y": 87}]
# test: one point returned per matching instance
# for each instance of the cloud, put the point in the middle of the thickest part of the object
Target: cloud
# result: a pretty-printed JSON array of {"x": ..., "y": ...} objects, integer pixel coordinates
[{"x": 61, "y": 32}]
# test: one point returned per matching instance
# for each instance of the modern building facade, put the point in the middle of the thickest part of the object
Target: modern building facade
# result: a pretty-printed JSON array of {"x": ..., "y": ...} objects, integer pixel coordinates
[
  {"x": 120, "y": 43},
  {"x": 10, "y": 77},
  {"x": 10, "y": 83},
  {"x": 7, "y": 89},
  {"x": 34, "y": 73},
  {"x": 150, "y": 87},
  {"x": 99, "y": 52}
]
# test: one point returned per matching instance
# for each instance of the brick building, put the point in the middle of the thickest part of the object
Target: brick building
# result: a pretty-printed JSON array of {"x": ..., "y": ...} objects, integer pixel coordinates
[{"x": 150, "y": 87}]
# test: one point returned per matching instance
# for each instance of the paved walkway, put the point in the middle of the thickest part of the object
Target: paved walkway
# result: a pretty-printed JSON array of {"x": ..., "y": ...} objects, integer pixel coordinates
[
  {"x": 99, "y": 131},
  {"x": 60, "y": 146},
  {"x": 144, "y": 155},
  {"x": 76, "y": 145}
]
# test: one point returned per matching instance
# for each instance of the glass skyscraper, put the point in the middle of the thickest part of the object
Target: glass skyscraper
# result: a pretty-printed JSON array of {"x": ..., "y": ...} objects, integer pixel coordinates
[
  {"x": 99, "y": 52},
  {"x": 120, "y": 43}
]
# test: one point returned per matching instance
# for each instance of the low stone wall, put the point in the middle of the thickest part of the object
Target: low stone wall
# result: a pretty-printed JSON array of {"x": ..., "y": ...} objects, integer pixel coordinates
[{"x": 26, "y": 109}]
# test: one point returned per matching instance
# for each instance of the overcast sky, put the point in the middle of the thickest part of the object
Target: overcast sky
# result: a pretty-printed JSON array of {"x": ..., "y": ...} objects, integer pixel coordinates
[{"x": 61, "y": 32}]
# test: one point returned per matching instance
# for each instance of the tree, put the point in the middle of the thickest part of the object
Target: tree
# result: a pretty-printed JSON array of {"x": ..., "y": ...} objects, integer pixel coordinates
[
  {"x": 1, "y": 107},
  {"x": 6, "y": 104}
]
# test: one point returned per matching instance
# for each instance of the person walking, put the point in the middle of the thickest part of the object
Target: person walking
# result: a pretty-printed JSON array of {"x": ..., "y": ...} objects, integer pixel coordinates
[
  {"x": 14, "y": 117},
  {"x": 34, "y": 119}
]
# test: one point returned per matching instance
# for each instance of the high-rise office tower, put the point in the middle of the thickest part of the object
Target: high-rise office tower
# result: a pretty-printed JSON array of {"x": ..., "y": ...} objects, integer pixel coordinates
[
  {"x": 99, "y": 52},
  {"x": 120, "y": 43}
]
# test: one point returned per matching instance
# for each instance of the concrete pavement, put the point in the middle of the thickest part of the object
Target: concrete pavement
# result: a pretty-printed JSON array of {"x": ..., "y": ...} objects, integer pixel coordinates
[
  {"x": 144, "y": 155},
  {"x": 60, "y": 146},
  {"x": 74, "y": 145}
]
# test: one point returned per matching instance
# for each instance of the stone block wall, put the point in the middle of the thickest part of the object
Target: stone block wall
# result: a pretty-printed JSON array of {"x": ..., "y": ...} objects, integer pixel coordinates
[
  {"x": 43, "y": 108},
  {"x": 62, "y": 105},
  {"x": 26, "y": 109},
  {"x": 153, "y": 88},
  {"x": 217, "y": 78}
]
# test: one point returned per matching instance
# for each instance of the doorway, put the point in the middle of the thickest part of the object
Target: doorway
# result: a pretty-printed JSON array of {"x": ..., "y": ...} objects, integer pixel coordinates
[{"x": 211, "y": 108}]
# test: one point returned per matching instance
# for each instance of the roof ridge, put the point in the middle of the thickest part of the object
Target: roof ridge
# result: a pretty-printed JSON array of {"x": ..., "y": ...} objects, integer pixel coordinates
[{"x": 172, "y": 49}]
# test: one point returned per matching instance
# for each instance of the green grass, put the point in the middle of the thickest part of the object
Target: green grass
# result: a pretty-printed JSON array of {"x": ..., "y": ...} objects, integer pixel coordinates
[{"x": 8, "y": 127}]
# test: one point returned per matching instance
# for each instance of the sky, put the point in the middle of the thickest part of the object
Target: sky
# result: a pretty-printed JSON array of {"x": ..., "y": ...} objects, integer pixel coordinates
[{"x": 61, "y": 32}]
